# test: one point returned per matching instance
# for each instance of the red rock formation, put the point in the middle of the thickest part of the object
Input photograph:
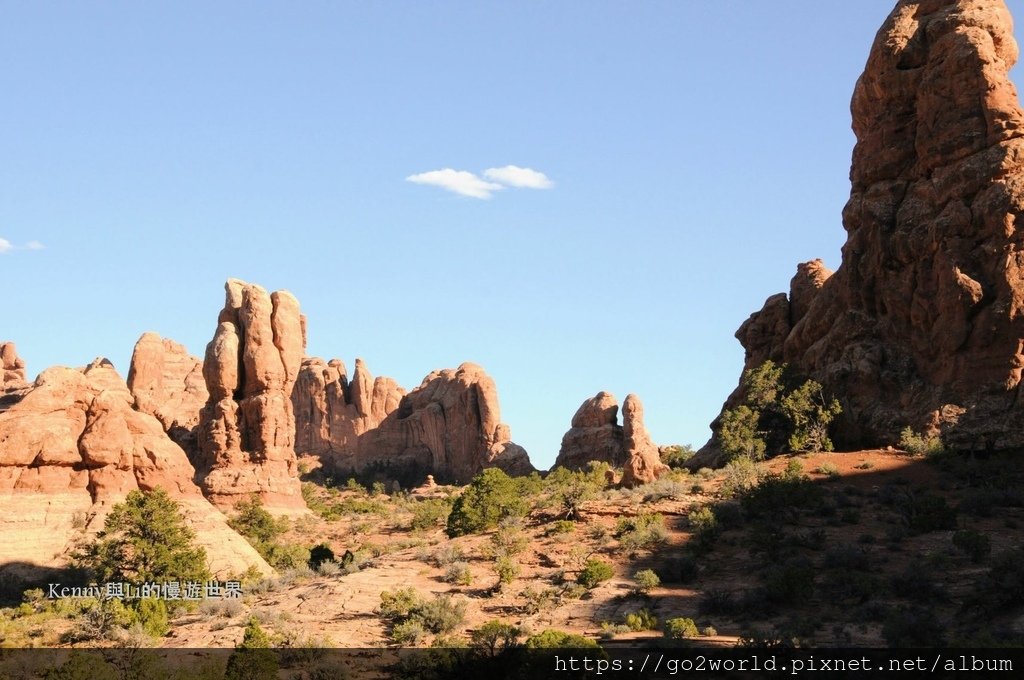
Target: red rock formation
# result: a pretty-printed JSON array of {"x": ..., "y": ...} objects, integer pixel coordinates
[
  {"x": 247, "y": 429},
  {"x": 922, "y": 324},
  {"x": 12, "y": 368},
  {"x": 449, "y": 426},
  {"x": 167, "y": 383},
  {"x": 595, "y": 435},
  {"x": 643, "y": 462},
  {"x": 73, "y": 447}
]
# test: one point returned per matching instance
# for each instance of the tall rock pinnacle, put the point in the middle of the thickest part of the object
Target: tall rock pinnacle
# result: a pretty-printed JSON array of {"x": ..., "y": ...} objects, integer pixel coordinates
[{"x": 923, "y": 322}]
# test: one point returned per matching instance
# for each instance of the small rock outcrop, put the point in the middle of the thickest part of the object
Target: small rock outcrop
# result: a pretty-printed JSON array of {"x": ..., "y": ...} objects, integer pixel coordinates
[
  {"x": 13, "y": 368},
  {"x": 72, "y": 448},
  {"x": 643, "y": 462},
  {"x": 449, "y": 426},
  {"x": 595, "y": 435},
  {"x": 167, "y": 383},
  {"x": 246, "y": 431},
  {"x": 922, "y": 325}
]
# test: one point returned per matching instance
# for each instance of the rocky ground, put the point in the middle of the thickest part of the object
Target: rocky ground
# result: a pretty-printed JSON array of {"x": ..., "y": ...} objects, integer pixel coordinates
[{"x": 867, "y": 548}]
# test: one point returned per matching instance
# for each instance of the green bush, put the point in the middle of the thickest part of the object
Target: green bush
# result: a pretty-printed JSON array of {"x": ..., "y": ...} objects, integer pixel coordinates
[
  {"x": 928, "y": 513},
  {"x": 739, "y": 436},
  {"x": 738, "y": 476},
  {"x": 557, "y": 639},
  {"x": 676, "y": 456},
  {"x": 641, "y": 620},
  {"x": 399, "y": 603},
  {"x": 562, "y": 526},
  {"x": 507, "y": 569},
  {"x": 408, "y": 632},
  {"x": 495, "y": 636},
  {"x": 644, "y": 531},
  {"x": 594, "y": 572},
  {"x": 569, "y": 490},
  {"x": 443, "y": 614},
  {"x": 973, "y": 543},
  {"x": 919, "y": 444},
  {"x": 646, "y": 580},
  {"x": 151, "y": 614},
  {"x": 705, "y": 526},
  {"x": 810, "y": 414},
  {"x": 430, "y": 514},
  {"x": 458, "y": 573},
  {"x": 680, "y": 628},
  {"x": 489, "y": 498}
]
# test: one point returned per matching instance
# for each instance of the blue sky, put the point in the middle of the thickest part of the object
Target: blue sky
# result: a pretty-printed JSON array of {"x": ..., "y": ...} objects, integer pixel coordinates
[{"x": 697, "y": 151}]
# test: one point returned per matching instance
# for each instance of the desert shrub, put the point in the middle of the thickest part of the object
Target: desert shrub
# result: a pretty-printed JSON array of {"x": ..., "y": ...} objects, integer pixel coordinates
[
  {"x": 926, "y": 513},
  {"x": 646, "y": 580},
  {"x": 495, "y": 636},
  {"x": 447, "y": 554},
  {"x": 557, "y": 639},
  {"x": 399, "y": 603},
  {"x": 458, "y": 573},
  {"x": 665, "y": 487},
  {"x": 507, "y": 569},
  {"x": 284, "y": 556},
  {"x": 408, "y": 632},
  {"x": 255, "y": 523},
  {"x": 920, "y": 444},
  {"x": 145, "y": 539},
  {"x": 810, "y": 414},
  {"x": 569, "y": 490},
  {"x": 829, "y": 469},
  {"x": 151, "y": 614},
  {"x": 729, "y": 514},
  {"x": 681, "y": 568},
  {"x": 717, "y": 601},
  {"x": 329, "y": 568},
  {"x": 538, "y": 600},
  {"x": 918, "y": 583},
  {"x": 973, "y": 543},
  {"x": 562, "y": 526},
  {"x": 443, "y": 614},
  {"x": 739, "y": 476},
  {"x": 675, "y": 456},
  {"x": 739, "y": 436},
  {"x": 680, "y": 628},
  {"x": 912, "y": 627},
  {"x": 594, "y": 572},
  {"x": 1003, "y": 587},
  {"x": 507, "y": 541},
  {"x": 319, "y": 554},
  {"x": 644, "y": 531},
  {"x": 789, "y": 583},
  {"x": 641, "y": 620},
  {"x": 430, "y": 514},
  {"x": 100, "y": 620},
  {"x": 709, "y": 631},
  {"x": 704, "y": 525},
  {"x": 490, "y": 497},
  {"x": 776, "y": 493}
]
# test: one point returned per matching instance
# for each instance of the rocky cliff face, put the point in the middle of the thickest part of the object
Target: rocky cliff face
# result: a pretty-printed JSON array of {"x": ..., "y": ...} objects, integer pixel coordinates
[
  {"x": 449, "y": 426},
  {"x": 596, "y": 435},
  {"x": 167, "y": 383},
  {"x": 923, "y": 322},
  {"x": 74, "y": 446},
  {"x": 12, "y": 369},
  {"x": 246, "y": 431}
]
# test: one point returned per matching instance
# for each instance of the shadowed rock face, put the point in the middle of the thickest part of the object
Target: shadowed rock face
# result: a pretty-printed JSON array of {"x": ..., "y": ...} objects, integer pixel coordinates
[
  {"x": 246, "y": 430},
  {"x": 449, "y": 426},
  {"x": 922, "y": 323},
  {"x": 71, "y": 448},
  {"x": 167, "y": 383}
]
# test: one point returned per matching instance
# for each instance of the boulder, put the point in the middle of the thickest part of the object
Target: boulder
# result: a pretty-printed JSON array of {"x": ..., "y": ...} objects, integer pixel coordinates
[
  {"x": 595, "y": 435},
  {"x": 643, "y": 462}
]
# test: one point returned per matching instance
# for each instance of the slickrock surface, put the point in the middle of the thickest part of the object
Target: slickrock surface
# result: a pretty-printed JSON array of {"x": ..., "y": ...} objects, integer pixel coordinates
[
  {"x": 72, "y": 448},
  {"x": 167, "y": 383},
  {"x": 923, "y": 322},
  {"x": 246, "y": 430},
  {"x": 450, "y": 426},
  {"x": 595, "y": 435}
]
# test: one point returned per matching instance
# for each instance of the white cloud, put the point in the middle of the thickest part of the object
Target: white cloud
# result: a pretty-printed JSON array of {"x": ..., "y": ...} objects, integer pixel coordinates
[
  {"x": 457, "y": 181},
  {"x": 6, "y": 246},
  {"x": 514, "y": 176}
]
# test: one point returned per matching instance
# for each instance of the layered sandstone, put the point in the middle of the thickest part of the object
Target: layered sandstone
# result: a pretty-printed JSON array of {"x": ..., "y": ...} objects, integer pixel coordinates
[
  {"x": 595, "y": 435},
  {"x": 449, "y": 426},
  {"x": 167, "y": 383},
  {"x": 72, "y": 448},
  {"x": 246, "y": 431},
  {"x": 923, "y": 322}
]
